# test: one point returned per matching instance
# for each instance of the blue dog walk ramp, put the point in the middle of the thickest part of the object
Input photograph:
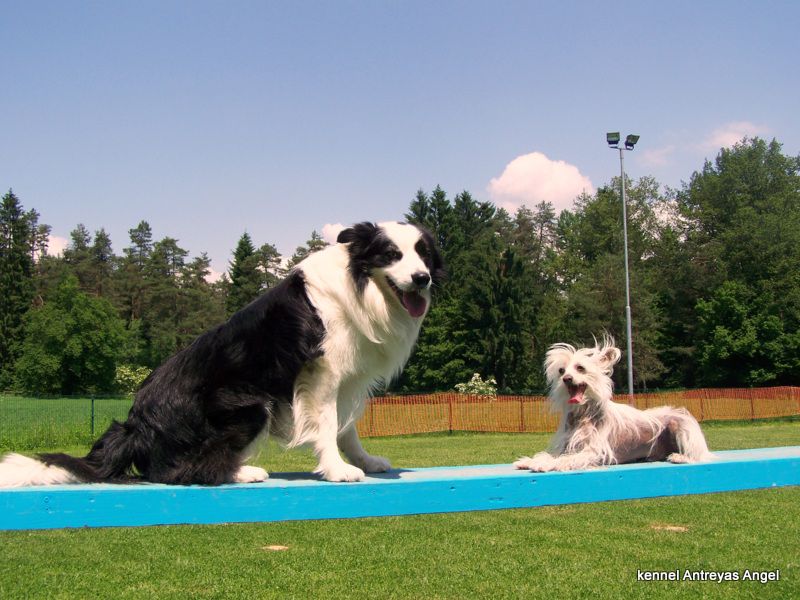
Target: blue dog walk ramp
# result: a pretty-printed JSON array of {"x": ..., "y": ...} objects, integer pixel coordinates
[{"x": 299, "y": 496}]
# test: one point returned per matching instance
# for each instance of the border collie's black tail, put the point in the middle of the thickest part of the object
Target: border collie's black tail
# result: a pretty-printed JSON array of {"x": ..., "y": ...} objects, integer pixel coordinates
[{"x": 110, "y": 460}]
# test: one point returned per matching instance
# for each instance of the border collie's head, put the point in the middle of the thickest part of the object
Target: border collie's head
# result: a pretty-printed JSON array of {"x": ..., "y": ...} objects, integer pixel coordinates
[
  {"x": 579, "y": 375},
  {"x": 401, "y": 258}
]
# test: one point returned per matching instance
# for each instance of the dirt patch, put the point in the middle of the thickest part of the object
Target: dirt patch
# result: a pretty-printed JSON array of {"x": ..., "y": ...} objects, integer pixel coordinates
[{"x": 663, "y": 527}]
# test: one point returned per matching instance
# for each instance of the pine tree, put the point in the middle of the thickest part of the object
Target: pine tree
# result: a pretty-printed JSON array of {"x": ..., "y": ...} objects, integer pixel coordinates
[
  {"x": 79, "y": 257},
  {"x": 162, "y": 309},
  {"x": 202, "y": 307},
  {"x": 271, "y": 265},
  {"x": 313, "y": 244},
  {"x": 17, "y": 232},
  {"x": 481, "y": 320},
  {"x": 141, "y": 244},
  {"x": 41, "y": 241},
  {"x": 419, "y": 212},
  {"x": 103, "y": 263},
  {"x": 245, "y": 275},
  {"x": 129, "y": 281},
  {"x": 433, "y": 212},
  {"x": 129, "y": 291}
]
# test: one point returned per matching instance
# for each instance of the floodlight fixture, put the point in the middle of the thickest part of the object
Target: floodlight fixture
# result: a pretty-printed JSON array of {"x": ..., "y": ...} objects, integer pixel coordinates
[
  {"x": 613, "y": 138},
  {"x": 630, "y": 141}
]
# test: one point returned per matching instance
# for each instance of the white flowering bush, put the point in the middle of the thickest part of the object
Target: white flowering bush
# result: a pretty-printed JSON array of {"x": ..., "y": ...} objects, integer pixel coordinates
[
  {"x": 128, "y": 378},
  {"x": 478, "y": 386}
]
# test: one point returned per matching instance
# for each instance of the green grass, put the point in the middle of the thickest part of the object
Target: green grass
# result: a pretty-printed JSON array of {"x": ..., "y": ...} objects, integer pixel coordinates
[
  {"x": 578, "y": 551},
  {"x": 32, "y": 423},
  {"x": 466, "y": 448},
  {"x": 557, "y": 552}
]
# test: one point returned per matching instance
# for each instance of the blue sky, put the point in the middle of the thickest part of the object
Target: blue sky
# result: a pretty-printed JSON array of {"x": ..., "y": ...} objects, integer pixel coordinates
[{"x": 211, "y": 118}]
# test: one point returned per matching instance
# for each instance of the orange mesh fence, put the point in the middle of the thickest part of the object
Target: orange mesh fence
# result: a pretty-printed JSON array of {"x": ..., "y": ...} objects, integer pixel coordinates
[{"x": 450, "y": 411}]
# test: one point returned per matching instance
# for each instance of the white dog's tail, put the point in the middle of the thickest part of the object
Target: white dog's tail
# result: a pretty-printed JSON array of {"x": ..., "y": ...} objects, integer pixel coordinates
[
  {"x": 691, "y": 442},
  {"x": 21, "y": 471}
]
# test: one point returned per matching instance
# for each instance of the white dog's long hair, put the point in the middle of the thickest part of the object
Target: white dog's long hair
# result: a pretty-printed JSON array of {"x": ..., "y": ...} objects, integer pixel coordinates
[{"x": 594, "y": 430}]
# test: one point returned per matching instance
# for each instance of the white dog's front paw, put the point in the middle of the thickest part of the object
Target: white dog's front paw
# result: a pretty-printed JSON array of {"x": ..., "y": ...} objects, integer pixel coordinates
[
  {"x": 374, "y": 464},
  {"x": 541, "y": 463},
  {"x": 523, "y": 463},
  {"x": 576, "y": 462},
  {"x": 341, "y": 472},
  {"x": 248, "y": 474},
  {"x": 679, "y": 459}
]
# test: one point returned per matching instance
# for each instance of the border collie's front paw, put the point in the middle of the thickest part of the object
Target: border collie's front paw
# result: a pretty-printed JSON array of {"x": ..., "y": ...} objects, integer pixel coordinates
[
  {"x": 341, "y": 472},
  {"x": 248, "y": 474}
]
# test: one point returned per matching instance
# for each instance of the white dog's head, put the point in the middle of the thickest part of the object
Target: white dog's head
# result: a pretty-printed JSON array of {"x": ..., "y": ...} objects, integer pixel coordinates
[
  {"x": 579, "y": 375},
  {"x": 401, "y": 258}
]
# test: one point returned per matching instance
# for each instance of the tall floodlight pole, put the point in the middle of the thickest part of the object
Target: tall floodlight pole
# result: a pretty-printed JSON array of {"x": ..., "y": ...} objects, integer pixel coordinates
[{"x": 613, "y": 139}]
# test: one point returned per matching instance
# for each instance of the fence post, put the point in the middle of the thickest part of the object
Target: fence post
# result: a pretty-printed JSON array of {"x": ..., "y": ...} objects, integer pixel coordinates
[
  {"x": 450, "y": 413},
  {"x": 752, "y": 407},
  {"x": 521, "y": 414},
  {"x": 92, "y": 415},
  {"x": 702, "y": 411}
]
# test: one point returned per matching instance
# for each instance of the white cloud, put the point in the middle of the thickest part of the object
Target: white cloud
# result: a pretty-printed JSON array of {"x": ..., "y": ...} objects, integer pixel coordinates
[
  {"x": 330, "y": 231},
  {"x": 213, "y": 275},
  {"x": 532, "y": 178},
  {"x": 56, "y": 245},
  {"x": 731, "y": 133},
  {"x": 722, "y": 137}
]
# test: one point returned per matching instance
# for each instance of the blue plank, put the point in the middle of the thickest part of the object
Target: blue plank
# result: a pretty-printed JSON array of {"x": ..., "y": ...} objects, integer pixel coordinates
[{"x": 296, "y": 496}]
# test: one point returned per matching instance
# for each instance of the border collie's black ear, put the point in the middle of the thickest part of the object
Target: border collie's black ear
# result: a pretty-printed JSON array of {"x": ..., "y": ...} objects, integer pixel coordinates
[
  {"x": 346, "y": 236},
  {"x": 358, "y": 231},
  {"x": 361, "y": 237}
]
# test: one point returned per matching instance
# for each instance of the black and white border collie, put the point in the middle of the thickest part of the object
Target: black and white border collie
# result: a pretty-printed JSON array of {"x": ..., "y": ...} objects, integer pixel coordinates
[{"x": 299, "y": 362}]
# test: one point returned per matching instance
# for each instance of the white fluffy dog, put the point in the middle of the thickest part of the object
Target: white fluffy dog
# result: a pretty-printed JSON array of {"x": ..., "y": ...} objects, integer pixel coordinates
[{"x": 595, "y": 431}]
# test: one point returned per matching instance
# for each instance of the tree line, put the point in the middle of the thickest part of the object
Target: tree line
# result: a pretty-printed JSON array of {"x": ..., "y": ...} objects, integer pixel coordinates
[{"x": 715, "y": 280}]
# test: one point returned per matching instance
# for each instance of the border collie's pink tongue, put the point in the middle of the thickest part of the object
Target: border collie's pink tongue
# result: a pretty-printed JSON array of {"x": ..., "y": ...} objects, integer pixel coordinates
[{"x": 414, "y": 303}]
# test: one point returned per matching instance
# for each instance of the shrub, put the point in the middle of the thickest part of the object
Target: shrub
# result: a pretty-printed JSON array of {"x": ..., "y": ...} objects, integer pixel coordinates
[
  {"x": 476, "y": 385},
  {"x": 128, "y": 378}
]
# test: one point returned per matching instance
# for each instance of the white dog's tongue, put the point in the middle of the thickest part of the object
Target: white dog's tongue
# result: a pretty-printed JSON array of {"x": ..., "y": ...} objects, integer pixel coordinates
[
  {"x": 414, "y": 303},
  {"x": 577, "y": 397}
]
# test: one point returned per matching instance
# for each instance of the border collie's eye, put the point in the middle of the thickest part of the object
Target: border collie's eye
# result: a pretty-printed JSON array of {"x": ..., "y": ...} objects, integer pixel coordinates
[
  {"x": 422, "y": 249},
  {"x": 581, "y": 369},
  {"x": 561, "y": 371},
  {"x": 393, "y": 255}
]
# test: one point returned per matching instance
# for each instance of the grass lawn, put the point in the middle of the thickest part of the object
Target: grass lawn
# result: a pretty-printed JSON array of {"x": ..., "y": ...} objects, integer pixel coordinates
[
  {"x": 28, "y": 424},
  {"x": 578, "y": 551}
]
